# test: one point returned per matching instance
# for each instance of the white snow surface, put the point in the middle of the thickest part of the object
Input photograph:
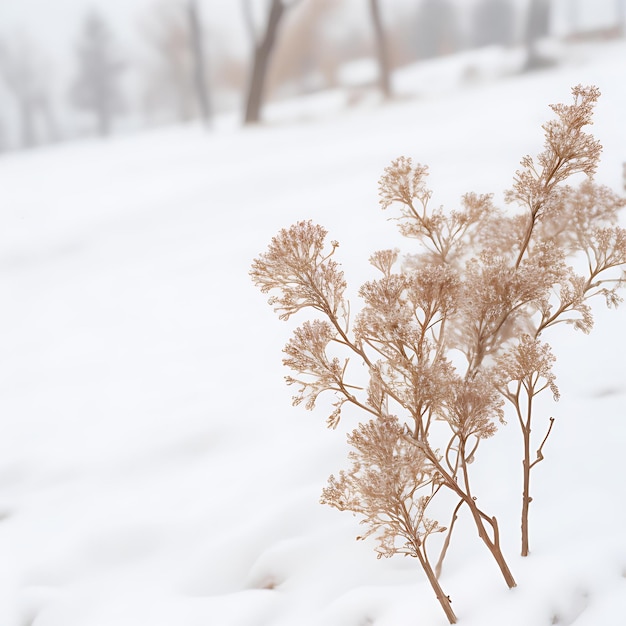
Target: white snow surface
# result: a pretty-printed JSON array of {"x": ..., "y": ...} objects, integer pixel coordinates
[{"x": 152, "y": 469}]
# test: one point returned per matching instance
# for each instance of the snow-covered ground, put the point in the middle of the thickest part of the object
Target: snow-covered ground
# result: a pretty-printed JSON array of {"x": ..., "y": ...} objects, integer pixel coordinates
[{"x": 152, "y": 469}]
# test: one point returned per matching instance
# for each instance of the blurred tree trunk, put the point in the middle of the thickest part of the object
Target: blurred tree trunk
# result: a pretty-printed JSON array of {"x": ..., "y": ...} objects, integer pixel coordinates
[
  {"x": 28, "y": 138},
  {"x": 96, "y": 87},
  {"x": 262, "y": 51},
  {"x": 25, "y": 73},
  {"x": 199, "y": 61},
  {"x": 382, "y": 51},
  {"x": 621, "y": 16},
  {"x": 537, "y": 27},
  {"x": 170, "y": 85}
]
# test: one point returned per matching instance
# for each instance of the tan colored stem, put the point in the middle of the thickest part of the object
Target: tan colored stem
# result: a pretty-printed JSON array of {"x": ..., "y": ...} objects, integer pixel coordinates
[{"x": 444, "y": 600}]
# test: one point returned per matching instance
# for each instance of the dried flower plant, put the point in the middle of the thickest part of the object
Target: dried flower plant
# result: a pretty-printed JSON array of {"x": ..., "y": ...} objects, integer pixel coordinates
[
  {"x": 482, "y": 283},
  {"x": 574, "y": 224},
  {"x": 388, "y": 471}
]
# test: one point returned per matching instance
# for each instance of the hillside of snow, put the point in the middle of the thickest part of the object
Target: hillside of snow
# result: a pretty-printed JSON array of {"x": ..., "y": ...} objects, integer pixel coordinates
[{"x": 152, "y": 468}]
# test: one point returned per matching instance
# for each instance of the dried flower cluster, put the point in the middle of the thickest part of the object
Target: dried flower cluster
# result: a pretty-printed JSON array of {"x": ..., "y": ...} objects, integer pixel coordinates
[
  {"x": 482, "y": 283},
  {"x": 387, "y": 465}
]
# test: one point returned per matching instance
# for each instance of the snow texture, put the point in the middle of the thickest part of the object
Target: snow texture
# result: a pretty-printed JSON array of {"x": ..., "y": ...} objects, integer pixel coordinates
[{"x": 152, "y": 469}]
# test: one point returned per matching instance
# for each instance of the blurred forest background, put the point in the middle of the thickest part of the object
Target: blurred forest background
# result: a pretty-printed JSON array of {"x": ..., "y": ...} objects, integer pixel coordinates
[{"x": 180, "y": 61}]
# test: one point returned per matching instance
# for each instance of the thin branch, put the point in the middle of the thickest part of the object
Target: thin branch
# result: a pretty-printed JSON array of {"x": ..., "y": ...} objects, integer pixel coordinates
[
  {"x": 540, "y": 449},
  {"x": 446, "y": 543}
]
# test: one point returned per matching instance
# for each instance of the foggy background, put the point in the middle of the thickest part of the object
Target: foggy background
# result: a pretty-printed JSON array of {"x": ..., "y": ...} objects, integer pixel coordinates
[
  {"x": 80, "y": 68},
  {"x": 152, "y": 467}
]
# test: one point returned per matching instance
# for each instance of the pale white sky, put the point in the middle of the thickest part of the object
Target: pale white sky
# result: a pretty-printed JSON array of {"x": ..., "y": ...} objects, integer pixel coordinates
[{"x": 54, "y": 23}]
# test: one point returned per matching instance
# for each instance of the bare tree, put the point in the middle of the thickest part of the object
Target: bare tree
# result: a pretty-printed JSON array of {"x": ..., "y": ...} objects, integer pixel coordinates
[
  {"x": 262, "y": 49},
  {"x": 169, "y": 75},
  {"x": 382, "y": 51},
  {"x": 199, "y": 60},
  {"x": 24, "y": 72},
  {"x": 437, "y": 30},
  {"x": 177, "y": 75},
  {"x": 620, "y": 7},
  {"x": 97, "y": 84},
  {"x": 537, "y": 27},
  {"x": 305, "y": 56},
  {"x": 493, "y": 22}
]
